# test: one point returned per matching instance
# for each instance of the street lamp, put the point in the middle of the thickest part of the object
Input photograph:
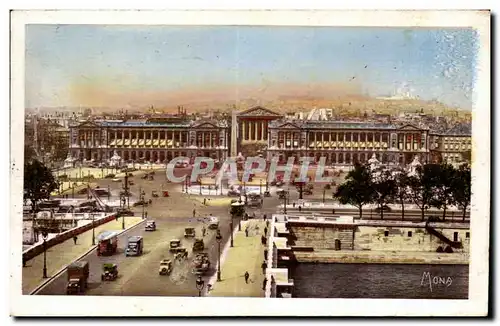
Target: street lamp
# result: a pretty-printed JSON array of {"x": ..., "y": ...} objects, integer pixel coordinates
[
  {"x": 284, "y": 203},
  {"x": 199, "y": 284},
  {"x": 143, "y": 203},
  {"x": 45, "y": 235},
  {"x": 218, "y": 237},
  {"x": 93, "y": 228}
]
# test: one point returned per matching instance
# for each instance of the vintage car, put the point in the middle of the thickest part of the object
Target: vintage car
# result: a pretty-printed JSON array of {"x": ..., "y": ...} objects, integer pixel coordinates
[
  {"x": 201, "y": 263},
  {"x": 154, "y": 194},
  {"x": 213, "y": 222},
  {"x": 198, "y": 245},
  {"x": 116, "y": 180},
  {"x": 124, "y": 212},
  {"x": 189, "y": 233},
  {"x": 150, "y": 226},
  {"x": 233, "y": 193},
  {"x": 165, "y": 267},
  {"x": 281, "y": 193},
  {"x": 109, "y": 272},
  {"x": 175, "y": 244}
]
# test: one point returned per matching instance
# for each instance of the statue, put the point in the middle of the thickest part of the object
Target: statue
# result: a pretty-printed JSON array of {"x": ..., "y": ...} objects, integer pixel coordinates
[
  {"x": 414, "y": 165},
  {"x": 374, "y": 163}
]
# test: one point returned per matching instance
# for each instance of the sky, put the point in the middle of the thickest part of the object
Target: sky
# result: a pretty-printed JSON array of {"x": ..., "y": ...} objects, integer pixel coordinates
[{"x": 120, "y": 65}]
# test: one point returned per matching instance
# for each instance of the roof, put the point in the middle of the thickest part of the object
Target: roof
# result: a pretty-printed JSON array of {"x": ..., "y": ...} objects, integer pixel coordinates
[
  {"x": 106, "y": 235},
  {"x": 134, "y": 238},
  {"x": 78, "y": 264},
  {"x": 461, "y": 129},
  {"x": 330, "y": 124}
]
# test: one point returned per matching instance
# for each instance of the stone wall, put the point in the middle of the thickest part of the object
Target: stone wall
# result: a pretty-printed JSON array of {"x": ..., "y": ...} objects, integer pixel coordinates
[
  {"x": 320, "y": 237},
  {"x": 405, "y": 239},
  {"x": 377, "y": 238}
]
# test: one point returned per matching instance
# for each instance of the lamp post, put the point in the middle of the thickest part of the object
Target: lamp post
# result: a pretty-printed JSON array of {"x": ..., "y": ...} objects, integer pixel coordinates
[
  {"x": 218, "y": 237},
  {"x": 143, "y": 203},
  {"x": 199, "y": 284},
  {"x": 93, "y": 228},
  {"x": 284, "y": 203},
  {"x": 260, "y": 188},
  {"x": 324, "y": 192},
  {"x": 45, "y": 235}
]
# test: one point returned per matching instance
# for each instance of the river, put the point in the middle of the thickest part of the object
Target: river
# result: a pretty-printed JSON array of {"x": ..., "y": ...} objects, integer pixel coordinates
[{"x": 318, "y": 280}]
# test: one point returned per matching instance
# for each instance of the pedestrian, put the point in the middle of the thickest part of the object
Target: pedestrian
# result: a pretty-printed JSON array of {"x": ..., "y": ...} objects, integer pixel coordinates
[
  {"x": 293, "y": 204},
  {"x": 24, "y": 261},
  {"x": 246, "y": 277},
  {"x": 204, "y": 201},
  {"x": 300, "y": 208},
  {"x": 264, "y": 217},
  {"x": 265, "y": 231},
  {"x": 264, "y": 266},
  {"x": 265, "y": 254},
  {"x": 253, "y": 215},
  {"x": 75, "y": 238},
  {"x": 246, "y": 231},
  {"x": 333, "y": 211},
  {"x": 264, "y": 283},
  {"x": 262, "y": 239},
  {"x": 267, "y": 223},
  {"x": 116, "y": 217},
  {"x": 204, "y": 230},
  {"x": 194, "y": 212}
]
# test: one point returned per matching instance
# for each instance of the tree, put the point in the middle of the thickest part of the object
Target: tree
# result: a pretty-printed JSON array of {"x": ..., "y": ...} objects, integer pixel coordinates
[
  {"x": 39, "y": 182},
  {"x": 441, "y": 178},
  {"x": 384, "y": 189},
  {"x": 420, "y": 187},
  {"x": 402, "y": 193},
  {"x": 461, "y": 188},
  {"x": 357, "y": 189}
]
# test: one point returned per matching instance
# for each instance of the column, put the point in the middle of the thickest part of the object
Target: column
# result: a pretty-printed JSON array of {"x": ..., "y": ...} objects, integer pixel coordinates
[
  {"x": 86, "y": 138},
  {"x": 404, "y": 142},
  {"x": 262, "y": 127},
  {"x": 323, "y": 139},
  {"x": 243, "y": 129}
]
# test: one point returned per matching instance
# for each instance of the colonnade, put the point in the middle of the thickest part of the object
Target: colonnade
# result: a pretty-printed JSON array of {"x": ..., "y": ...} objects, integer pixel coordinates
[{"x": 253, "y": 129}]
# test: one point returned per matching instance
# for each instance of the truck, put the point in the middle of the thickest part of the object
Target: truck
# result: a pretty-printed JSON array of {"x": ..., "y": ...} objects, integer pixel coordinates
[
  {"x": 135, "y": 246},
  {"x": 78, "y": 274},
  {"x": 107, "y": 243}
]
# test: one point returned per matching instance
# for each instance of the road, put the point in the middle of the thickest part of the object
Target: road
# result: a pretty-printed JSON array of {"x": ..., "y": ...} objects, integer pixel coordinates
[{"x": 139, "y": 275}]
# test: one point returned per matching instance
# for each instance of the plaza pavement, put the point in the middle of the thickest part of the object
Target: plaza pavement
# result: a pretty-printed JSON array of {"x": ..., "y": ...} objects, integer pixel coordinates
[
  {"x": 66, "y": 252},
  {"x": 246, "y": 255}
]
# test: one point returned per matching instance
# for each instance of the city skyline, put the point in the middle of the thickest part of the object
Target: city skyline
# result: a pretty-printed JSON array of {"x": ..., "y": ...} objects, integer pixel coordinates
[{"x": 93, "y": 65}]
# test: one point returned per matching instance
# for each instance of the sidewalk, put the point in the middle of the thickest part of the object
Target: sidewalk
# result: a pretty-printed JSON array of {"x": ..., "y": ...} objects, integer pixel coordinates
[
  {"x": 246, "y": 255},
  {"x": 66, "y": 252}
]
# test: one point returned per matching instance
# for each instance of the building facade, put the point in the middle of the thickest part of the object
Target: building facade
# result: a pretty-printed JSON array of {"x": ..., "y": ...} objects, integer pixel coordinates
[
  {"x": 152, "y": 140},
  {"x": 347, "y": 142},
  {"x": 253, "y": 130},
  {"x": 452, "y": 146}
]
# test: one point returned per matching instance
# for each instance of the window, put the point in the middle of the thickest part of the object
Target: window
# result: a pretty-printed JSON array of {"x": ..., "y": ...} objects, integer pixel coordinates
[
  {"x": 386, "y": 233},
  {"x": 410, "y": 234},
  {"x": 455, "y": 236},
  {"x": 467, "y": 235}
]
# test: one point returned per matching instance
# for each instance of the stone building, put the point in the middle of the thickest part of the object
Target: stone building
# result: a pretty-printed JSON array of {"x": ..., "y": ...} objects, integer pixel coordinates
[
  {"x": 346, "y": 142},
  {"x": 153, "y": 140},
  {"x": 453, "y": 145}
]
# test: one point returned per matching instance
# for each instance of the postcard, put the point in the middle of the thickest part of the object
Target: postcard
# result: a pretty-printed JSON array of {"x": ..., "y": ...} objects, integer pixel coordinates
[{"x": 250, "y": 163}]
